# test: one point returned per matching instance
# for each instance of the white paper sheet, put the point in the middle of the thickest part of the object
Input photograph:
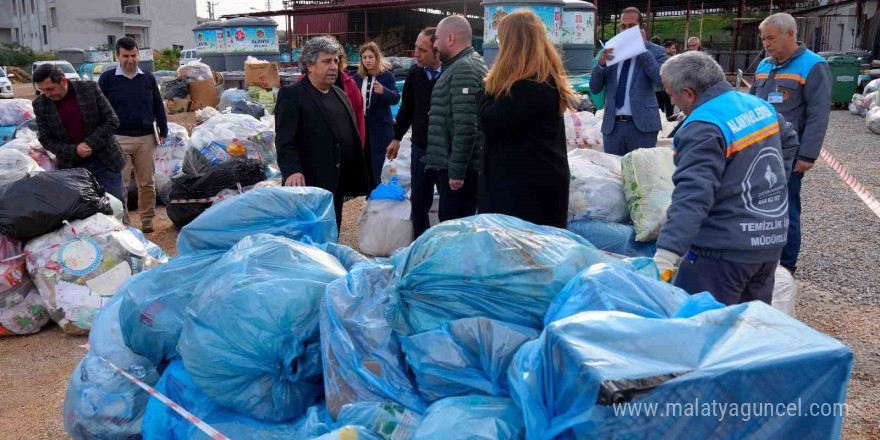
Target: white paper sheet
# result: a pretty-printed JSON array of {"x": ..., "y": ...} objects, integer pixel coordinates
[{"x": 626, "y": 45}]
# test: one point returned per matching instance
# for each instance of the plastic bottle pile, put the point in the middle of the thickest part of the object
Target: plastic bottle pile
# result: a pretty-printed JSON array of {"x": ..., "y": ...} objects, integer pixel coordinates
[
  {"x": 486, "y": 327},
  {"x": 868, "y": 105}
]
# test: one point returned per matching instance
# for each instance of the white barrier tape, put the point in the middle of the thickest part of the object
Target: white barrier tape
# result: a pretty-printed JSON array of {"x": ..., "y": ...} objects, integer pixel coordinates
[
  {"x": 204, "y": 427},
  {"x": 853, "y": 183}
]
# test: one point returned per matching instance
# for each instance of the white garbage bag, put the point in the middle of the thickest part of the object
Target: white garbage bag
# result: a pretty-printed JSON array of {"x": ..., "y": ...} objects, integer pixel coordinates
[
  {"x": 401, "y": 167},
  {"x": 79, "y": 267},
  {"x": 15, "y": 111},
  {"x": 195, "y": 70},
  {"x": 647, "y": 184},
  {"x": 26, "y": 143},
  {"x": 117, "y": 205},
  {"x": 596, "y": 188},
  {"x": 434, "y": 212},
  {"x": 872, "y": 86},
  {"x": 872, "y": 119},
  {"x": 784, "y": 292},
  {"x": 384, "y": 226},
  {"x": 857, "y": 105},
  {"x": 15, "y": 166},
  {"x": 583, "y": 130}
]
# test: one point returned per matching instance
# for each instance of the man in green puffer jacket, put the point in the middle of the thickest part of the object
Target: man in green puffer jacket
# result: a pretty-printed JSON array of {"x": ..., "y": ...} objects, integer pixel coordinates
[{"x": 454, "y": 142}]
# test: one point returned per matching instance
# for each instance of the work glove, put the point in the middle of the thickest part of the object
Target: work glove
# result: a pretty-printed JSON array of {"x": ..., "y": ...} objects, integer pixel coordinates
[{"x": 667, "y": 264}]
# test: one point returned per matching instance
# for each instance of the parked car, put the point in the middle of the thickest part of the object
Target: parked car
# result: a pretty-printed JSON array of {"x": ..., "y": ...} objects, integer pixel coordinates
[
  {"x": 5, "y": 85},
  {"x": 188, "y": 55},
  {"x": 66, "y": 67}
]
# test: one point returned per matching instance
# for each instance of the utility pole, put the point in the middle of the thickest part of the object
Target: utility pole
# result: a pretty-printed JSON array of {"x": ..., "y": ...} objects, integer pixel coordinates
[
  {"x": 268, "y": 5},
  {"x": 211, "y": 6}
]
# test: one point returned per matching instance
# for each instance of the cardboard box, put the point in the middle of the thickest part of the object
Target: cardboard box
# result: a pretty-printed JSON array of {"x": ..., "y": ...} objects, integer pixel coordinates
[
  {"x": 263, "y": 75},
  {"x": 177, "y": 105},
  {"x": 203, "y": 94}
]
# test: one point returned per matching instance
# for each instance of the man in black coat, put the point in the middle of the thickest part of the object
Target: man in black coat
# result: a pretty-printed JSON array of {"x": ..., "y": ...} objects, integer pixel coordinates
[{"x": 316, "y": 134}]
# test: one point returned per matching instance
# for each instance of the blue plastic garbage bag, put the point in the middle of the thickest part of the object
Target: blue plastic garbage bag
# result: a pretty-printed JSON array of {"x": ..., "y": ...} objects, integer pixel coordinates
[
  {"x": 292, "y": 212},
  {"x": 152, "y": 249},
  {"x": 101, "y": 403},
  {"x": 489, "y": 265},
  {"x": 347, "y": 256},
  {"x": 250, "y": 339},
  {"x": 605, "y": 287},
  {"x": 472, "y": 418},
  {"x": 154, "y": 305},
  {"x": 388, "y": 191},
  {"x": 613, "y": 237},
  {"x": 387, "y": 420},
  {"x": 466, "y": 356},
  {"x": 163, "y": 423},
  {"x": 360, "y": 325},
  {"x": 738, "y": 356}
]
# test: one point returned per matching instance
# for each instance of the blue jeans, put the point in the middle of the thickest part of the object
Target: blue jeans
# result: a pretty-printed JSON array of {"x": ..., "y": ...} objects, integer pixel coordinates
[
  {"x": 110, "y": 180},
  {"x": 793, "y": 247},
  {"x": 626, "y": 137}
]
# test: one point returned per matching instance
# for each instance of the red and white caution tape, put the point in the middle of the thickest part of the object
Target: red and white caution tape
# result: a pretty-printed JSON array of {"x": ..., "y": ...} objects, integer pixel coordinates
[
  {"x": 204, "y": 427},
  {"x": 853, "y": 183}
]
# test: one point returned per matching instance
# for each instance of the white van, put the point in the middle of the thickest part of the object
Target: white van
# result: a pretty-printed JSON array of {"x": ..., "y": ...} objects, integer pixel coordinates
[
  {"x": 66, "y": 67},
  {"x": 5, "y": 85},
  {"x": 188, "y": 55}
]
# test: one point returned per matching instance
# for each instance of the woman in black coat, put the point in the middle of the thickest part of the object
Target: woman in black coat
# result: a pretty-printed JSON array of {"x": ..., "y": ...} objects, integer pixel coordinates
[
  {"x": 379, "y": 91},
  {"x": 525, "y": 162}
]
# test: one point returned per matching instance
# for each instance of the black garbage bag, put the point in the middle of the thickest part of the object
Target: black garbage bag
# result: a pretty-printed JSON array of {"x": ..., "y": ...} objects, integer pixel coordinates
[
  {"x": 176, "y": 89},
  {"x": 248, "y": 107},
  {"x": 40, "y": 203},
  {"x": 208, "y": 184}
]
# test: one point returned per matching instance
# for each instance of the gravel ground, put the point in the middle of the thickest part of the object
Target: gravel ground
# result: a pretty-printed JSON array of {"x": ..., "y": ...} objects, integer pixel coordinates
[{"x": 838, "y": 282}]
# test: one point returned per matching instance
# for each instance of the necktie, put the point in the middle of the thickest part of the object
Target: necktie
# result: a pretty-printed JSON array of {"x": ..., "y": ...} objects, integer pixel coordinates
[
  {"x": 620, "y": 97},
  {"x": 431, "y": 74}
]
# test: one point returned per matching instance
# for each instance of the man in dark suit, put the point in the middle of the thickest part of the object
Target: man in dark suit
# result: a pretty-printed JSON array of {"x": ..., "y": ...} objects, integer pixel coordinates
[
  {"x": 632, "y": 114},
  {"x": 77, "y": 123},
  {"x": 316, "y": 134}
]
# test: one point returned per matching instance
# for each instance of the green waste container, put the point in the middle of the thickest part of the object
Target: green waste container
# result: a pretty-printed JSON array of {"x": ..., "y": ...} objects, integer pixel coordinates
[
  {"x": 581, "y": 84},
  {"x": 844, "y": 78}
]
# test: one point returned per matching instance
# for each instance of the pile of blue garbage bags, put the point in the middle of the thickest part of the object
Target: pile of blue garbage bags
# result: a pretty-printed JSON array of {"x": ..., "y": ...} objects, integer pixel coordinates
[{"x": 486, "y": 328}]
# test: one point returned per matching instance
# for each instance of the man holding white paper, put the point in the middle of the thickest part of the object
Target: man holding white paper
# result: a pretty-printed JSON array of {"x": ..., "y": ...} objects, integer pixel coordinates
[{"x": 629, "y": 70}]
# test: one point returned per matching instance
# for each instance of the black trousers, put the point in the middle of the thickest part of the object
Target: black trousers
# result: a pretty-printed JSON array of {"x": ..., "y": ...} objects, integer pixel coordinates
[
  {"x": 422, "y": 192},
  {"x": 665, "y": 103},
  {"x": 729, "y": 282},
  {"x": 461, "y": 203}
]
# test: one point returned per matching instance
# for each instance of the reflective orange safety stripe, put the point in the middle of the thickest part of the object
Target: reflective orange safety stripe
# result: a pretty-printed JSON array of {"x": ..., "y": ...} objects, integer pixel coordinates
[{"x": 753, "y": 138}]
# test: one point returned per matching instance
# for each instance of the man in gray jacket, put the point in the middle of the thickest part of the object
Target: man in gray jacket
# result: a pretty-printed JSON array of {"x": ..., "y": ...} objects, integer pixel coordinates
[
  {"x": 454, "y": 143},
  {"x": 729, "y": 211},
  {"x": 797, "y": 82}
]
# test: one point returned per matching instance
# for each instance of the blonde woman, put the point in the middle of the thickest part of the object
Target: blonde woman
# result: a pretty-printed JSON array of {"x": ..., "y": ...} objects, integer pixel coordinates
[
  {"x": 525, "y": 165},
  {"x": 379, "y": 92}
]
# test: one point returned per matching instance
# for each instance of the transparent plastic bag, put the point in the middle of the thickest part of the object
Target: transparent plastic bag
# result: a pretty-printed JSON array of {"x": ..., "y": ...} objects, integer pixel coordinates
[
  {"x": 230, "y": 96},
  {"x": 785, "y": 292},
  {"x": 15, "y": 166},
  {"x": 466, "y": 356},
  {"x": 872, "y": 119},
  {"x": 292, "y": 212},
  {"x": 195, "y": 70},
  {"x": 264, "y": 365},
  {"x": 169, "y": 159},
  {"x": 596, "y": 187},
  {"x": 22, "y": 310},
  {"x": 400, "y": 167},
  {"x": 472, "y": 418},
  {"x": 77, "y": 273},
  {"x": 237, "y": 131},
  {"x": 15, "y": 111},
  {"x": 27, "y": 143}
]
